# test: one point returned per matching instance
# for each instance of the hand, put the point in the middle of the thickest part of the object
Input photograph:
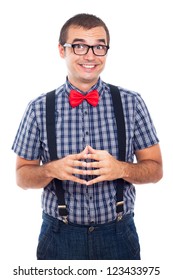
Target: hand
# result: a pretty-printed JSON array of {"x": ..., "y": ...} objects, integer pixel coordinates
[
  {"x": 67, "y": 167},
  {"x": 106, "y": 167}
]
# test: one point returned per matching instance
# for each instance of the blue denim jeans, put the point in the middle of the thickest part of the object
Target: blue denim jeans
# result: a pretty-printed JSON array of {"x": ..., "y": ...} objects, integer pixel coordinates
[{"x": 116, "y": 240}]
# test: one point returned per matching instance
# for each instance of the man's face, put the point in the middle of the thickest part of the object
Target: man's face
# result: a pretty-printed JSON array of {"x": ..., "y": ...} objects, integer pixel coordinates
[{"x": 84, "y": 70}]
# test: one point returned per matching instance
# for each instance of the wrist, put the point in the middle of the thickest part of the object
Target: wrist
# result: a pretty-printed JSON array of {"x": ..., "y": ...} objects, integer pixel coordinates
[
  {"x": 124, "y": 170},
  {"x": 47, "y": 170}
]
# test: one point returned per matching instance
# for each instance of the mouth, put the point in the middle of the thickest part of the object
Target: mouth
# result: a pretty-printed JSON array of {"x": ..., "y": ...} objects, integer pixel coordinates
[{"x": 88, "y": 66}]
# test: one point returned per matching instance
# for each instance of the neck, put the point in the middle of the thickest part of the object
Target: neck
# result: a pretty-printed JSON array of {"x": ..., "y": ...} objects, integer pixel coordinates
[{"x": 83, "y": 86}]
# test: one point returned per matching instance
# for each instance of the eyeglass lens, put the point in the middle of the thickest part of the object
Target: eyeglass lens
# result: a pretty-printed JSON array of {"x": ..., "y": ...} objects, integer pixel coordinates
[{"x": 82, "y": 49}]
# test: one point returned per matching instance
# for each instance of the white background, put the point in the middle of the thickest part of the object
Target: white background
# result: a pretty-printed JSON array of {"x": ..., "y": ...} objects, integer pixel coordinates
[{"x": 140, "y": 59}]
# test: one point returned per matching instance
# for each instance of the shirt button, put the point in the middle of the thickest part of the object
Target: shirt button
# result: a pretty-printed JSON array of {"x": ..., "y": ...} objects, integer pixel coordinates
[
  {"x": 87, "y": 132},
  {"x": 91, "y": 229}
]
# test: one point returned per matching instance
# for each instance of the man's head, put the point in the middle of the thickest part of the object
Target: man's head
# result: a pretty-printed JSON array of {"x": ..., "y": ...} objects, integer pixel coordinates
[
  {"x": 83, "y": 44},
  {"x": 86, "y": 21}
]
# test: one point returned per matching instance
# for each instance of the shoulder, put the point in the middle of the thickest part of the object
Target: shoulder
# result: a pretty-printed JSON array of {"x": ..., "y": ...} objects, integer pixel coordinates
[
  {"x": 123, "y": 91},
  {"x": 41, "y": 99},
  {"x": 36, "y": 107},
  {"x": 129, "y": 93},
  {"x": 133, "y": 99}
]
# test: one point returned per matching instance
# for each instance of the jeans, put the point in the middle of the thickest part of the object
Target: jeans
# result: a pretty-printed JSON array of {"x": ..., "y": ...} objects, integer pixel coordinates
[{"x": 117, "y": 240}]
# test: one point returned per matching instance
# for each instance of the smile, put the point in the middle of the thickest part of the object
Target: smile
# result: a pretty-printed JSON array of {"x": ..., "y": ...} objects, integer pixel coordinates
[{"x": 88, "y": 66}]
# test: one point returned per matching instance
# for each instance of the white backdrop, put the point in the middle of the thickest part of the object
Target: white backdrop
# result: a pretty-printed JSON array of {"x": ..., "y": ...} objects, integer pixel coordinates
[{"x": 140, "y": 59}]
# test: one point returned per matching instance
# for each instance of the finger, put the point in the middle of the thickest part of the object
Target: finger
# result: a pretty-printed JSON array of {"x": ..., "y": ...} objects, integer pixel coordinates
[
  {"x": 94, "y": 181},
  {"x": 95, "y": 164},
  {"x": 77, "y": 180},
  {"x": 85, "y": 151},
  {"x": 75, "y": 160},
  {"x": 77, "y": 163},
  {"x": 92, "y": 156},
  {"x": 95, "y": 172},
  {"x": 77, "y": 171},
  {"x": 91, "y": 150},
  {"x": 80, "y": 155}
]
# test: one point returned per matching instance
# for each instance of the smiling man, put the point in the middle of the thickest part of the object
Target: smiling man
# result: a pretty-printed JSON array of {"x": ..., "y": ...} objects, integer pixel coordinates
[
  {"x": 90, "y": 47},
  {"x": 68, "y": 145}
]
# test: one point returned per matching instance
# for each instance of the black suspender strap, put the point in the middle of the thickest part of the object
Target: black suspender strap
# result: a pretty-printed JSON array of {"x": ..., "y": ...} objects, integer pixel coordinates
[
  {"x": 119, "y": 115},
  {"x": 51, "y": 138},
  {"x": 50, "y": 124}
]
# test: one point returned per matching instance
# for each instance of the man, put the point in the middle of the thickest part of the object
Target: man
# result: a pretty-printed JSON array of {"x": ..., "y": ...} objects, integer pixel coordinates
[{"x": 87, "y": 164}]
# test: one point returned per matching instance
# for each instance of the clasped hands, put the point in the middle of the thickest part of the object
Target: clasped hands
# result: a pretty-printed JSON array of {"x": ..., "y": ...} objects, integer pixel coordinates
[{"x": 102, "y": 165}]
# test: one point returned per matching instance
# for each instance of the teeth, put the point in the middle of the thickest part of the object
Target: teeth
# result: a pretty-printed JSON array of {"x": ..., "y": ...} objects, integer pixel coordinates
[{"x": 88, "y": 66}]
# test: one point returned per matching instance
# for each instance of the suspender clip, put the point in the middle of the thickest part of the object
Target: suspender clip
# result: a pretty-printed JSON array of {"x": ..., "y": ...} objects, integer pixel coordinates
[
  {"x": 119, "y": 216},
  {"x": 119, "y": 203},
  {"x": 65, "y": 220},
  {"x": 63, "y": 213}
]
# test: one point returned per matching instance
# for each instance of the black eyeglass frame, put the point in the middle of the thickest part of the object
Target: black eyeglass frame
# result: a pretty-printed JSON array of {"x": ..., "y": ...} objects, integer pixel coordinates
[{"x": 88, "y": 47}]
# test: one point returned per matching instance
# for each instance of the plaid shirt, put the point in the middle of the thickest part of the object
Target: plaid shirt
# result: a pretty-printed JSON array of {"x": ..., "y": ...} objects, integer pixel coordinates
[{"x": 75, "y": 128}]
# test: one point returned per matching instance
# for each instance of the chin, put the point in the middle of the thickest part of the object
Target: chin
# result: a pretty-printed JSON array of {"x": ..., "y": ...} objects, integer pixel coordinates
[{"x": 89, "y": 80}]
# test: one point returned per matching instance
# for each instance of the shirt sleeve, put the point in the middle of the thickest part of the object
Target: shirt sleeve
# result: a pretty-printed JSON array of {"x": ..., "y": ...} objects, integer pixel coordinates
[
  {"x": 27, "y": 141},
  {"x": 145, "y": 133}
]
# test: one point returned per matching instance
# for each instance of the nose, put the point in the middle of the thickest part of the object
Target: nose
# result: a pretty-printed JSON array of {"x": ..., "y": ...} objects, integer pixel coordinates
[{"x": 89, "y": 55}]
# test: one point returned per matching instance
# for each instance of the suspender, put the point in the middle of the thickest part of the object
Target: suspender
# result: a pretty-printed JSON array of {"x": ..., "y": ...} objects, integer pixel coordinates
[
  {"x": 119, "y": 115},
  {"x": 51, "y": 136}
]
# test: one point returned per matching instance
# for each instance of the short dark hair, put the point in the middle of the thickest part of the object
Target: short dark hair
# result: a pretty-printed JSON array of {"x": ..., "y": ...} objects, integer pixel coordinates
[{"x": 87, "y": 21}]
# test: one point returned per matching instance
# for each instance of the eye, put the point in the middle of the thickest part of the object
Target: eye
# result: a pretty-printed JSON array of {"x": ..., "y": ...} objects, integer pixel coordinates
[
  {"x": 79, "y": 46},
  {"x": 100, "y": 47}
]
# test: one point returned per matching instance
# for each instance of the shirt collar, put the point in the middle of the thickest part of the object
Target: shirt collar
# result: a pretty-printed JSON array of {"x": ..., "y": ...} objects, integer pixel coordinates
[{"x": 98, "y": 86}]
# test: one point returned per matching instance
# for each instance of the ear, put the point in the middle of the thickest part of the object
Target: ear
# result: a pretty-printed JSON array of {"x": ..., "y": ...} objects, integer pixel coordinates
[{"x": 61, "y": 51}]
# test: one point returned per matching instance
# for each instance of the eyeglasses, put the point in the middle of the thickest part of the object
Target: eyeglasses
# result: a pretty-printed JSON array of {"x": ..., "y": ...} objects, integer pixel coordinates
[{"x": 82, "y": 49}]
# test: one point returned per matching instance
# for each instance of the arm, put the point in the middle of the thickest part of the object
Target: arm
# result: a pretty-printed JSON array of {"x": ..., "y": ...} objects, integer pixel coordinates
[
  {"x": 30, "y": 174},
  {"x": 148, "y": 168}
]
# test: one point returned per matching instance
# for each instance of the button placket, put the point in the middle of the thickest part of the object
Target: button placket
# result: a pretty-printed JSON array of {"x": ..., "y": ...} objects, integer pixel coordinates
[
  {"x": 85, "y": 123},
  {"x": 87, "y": 141}
]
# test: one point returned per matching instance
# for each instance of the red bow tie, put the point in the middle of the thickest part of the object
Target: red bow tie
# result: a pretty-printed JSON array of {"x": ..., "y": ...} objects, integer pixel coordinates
[{"x": 76, "y": 98}]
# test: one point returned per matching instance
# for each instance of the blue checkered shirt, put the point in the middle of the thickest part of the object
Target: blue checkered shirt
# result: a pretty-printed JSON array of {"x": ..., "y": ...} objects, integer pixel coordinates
[{"x": 76, "y": 128}]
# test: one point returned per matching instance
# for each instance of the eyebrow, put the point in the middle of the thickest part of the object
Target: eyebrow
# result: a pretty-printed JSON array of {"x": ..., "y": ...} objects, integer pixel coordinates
[{"x": 83, "y": 41}]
